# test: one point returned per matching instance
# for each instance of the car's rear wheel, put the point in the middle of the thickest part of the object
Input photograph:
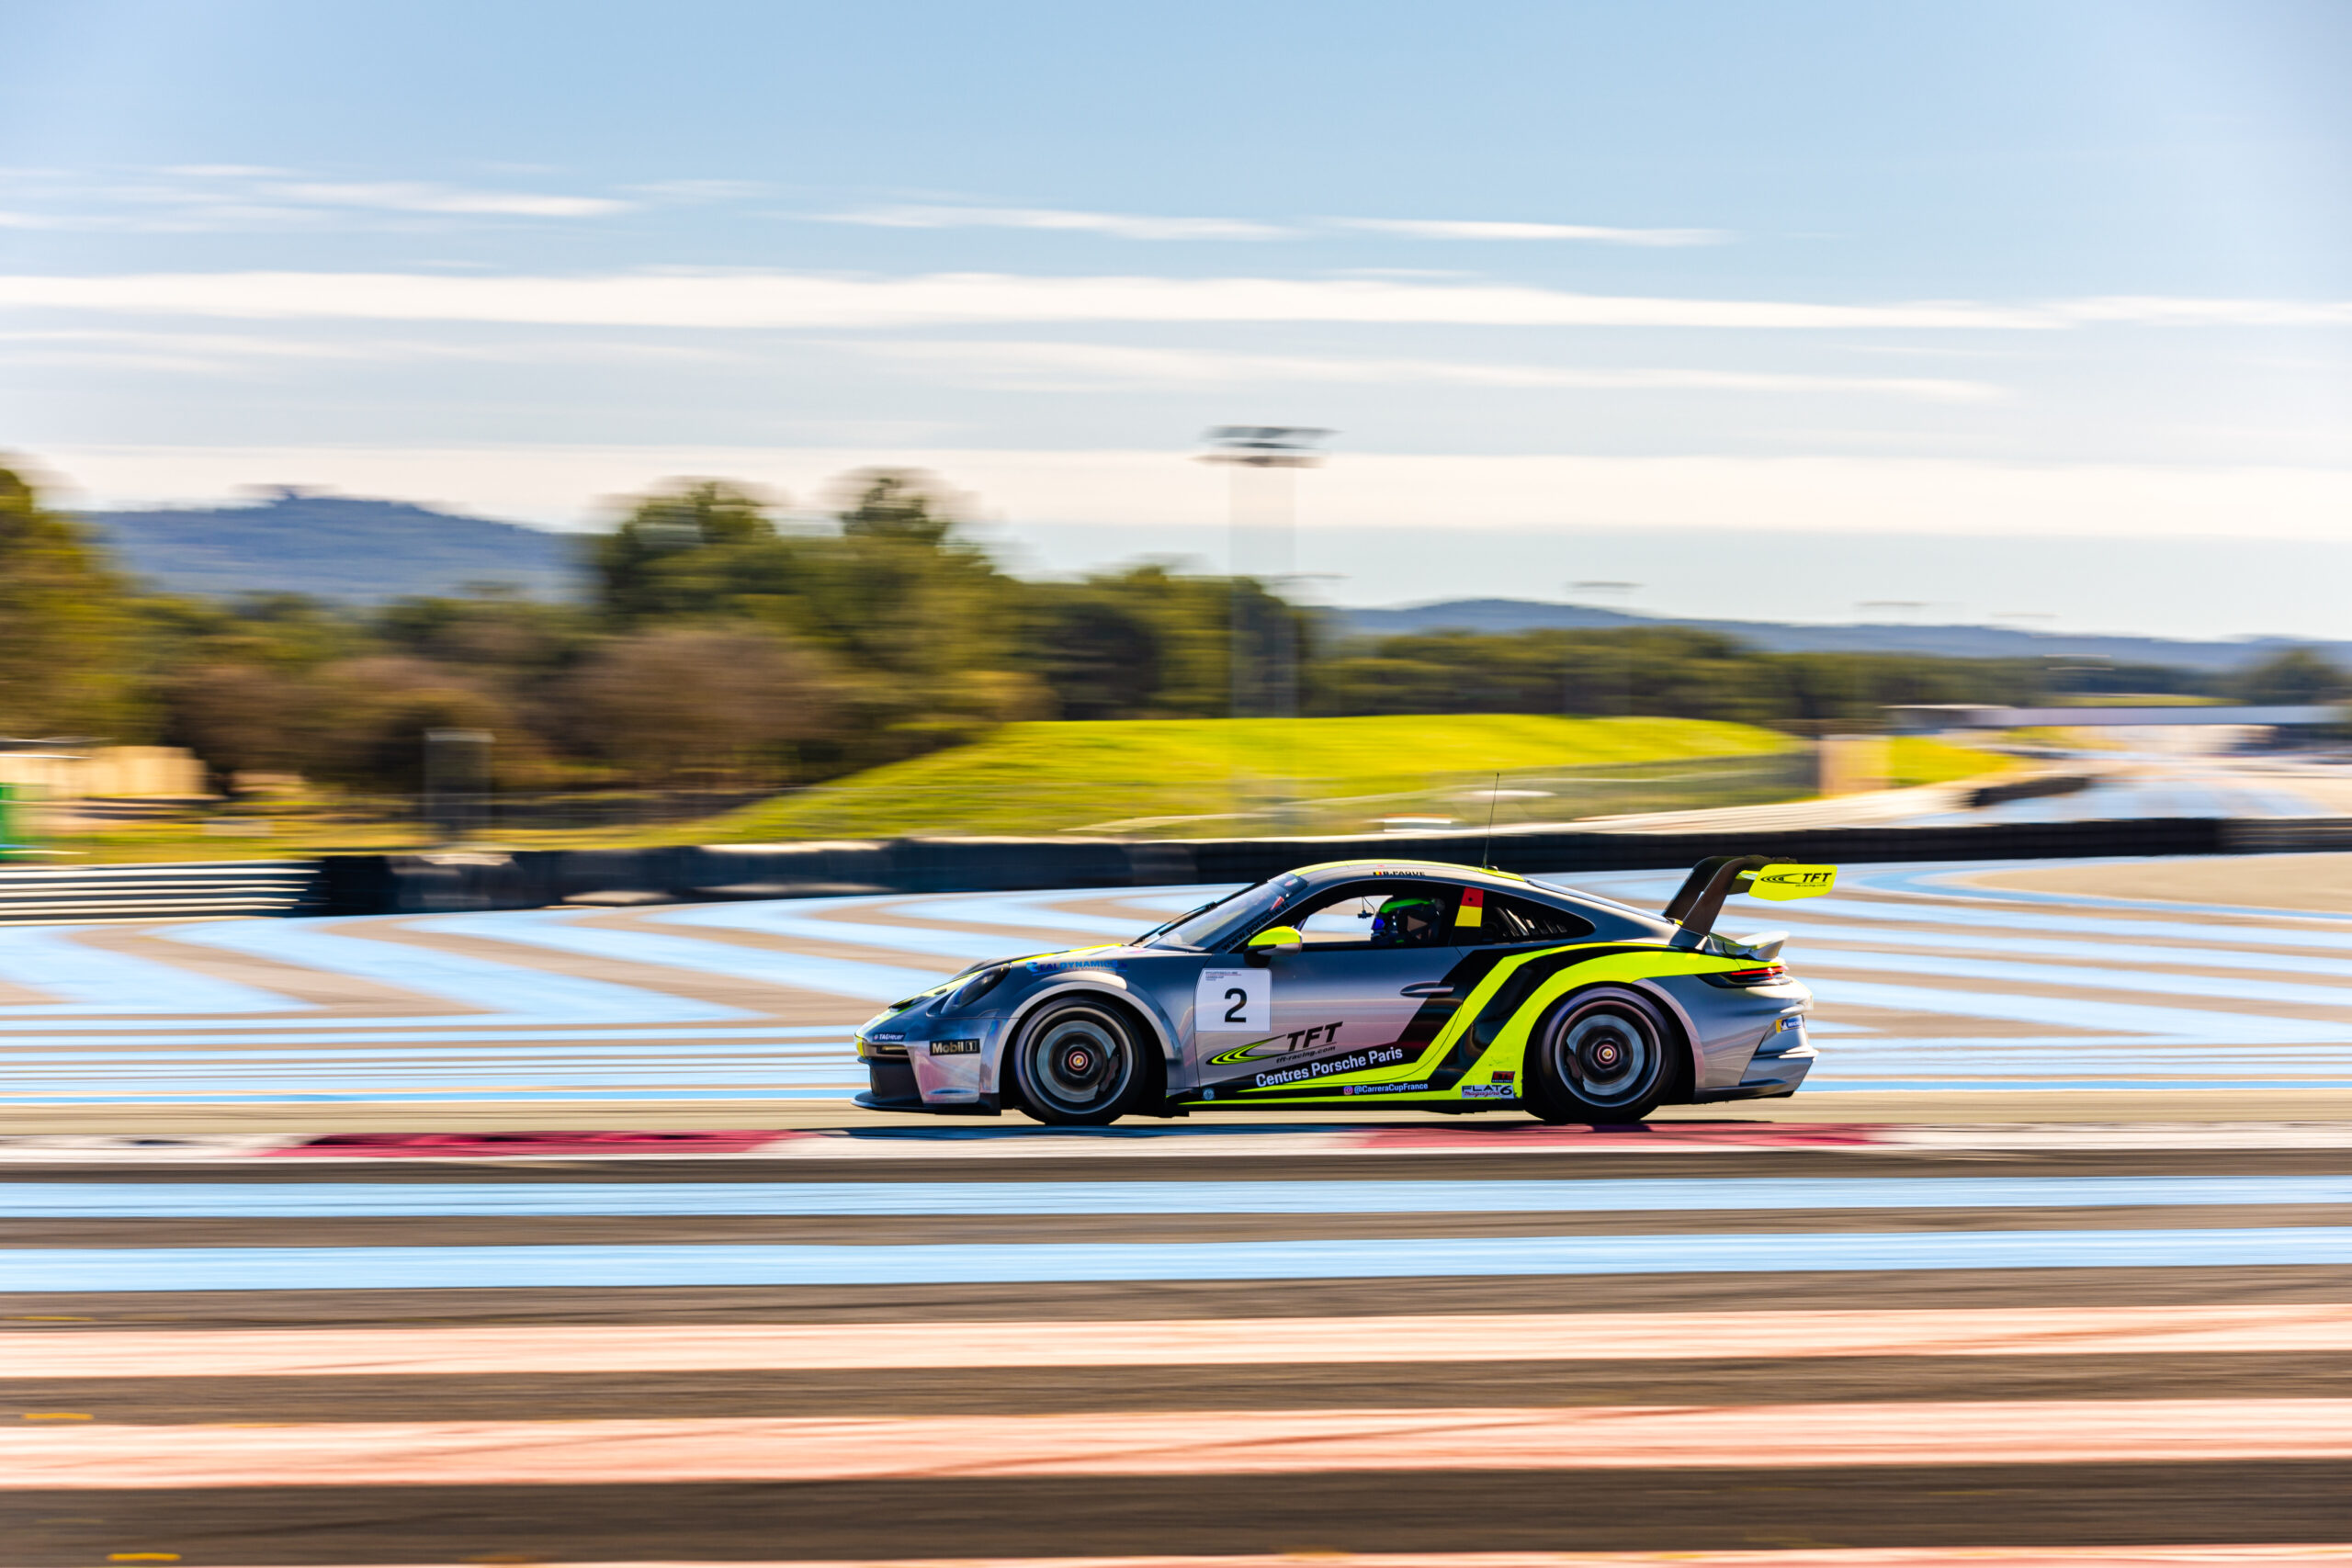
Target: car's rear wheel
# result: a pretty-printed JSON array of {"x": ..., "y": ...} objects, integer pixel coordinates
[
  {"x": 1606, "y": 1054},
  {"x": 1080, "y": 1063}
]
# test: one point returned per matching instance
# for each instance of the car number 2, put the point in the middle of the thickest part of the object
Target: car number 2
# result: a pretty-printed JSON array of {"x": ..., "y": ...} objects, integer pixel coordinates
[{"x": 1232, "y": 1001}]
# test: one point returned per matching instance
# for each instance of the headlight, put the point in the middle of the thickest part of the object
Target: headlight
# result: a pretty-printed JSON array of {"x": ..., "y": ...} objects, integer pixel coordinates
[{"x": 973, "y": 989}]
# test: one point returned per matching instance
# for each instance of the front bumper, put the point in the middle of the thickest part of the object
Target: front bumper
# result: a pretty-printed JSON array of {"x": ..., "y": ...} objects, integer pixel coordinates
[
  {"x": 911, "y": 1077},
  {"x": 890, "y": 1084}
]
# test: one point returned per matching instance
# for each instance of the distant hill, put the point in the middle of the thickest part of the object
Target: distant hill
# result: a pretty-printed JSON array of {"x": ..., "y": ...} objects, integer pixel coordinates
[
  {"x": 341, "y": 547},
  {"x": 334, "y": 546},
  {"x": 1956, "y": 642}
]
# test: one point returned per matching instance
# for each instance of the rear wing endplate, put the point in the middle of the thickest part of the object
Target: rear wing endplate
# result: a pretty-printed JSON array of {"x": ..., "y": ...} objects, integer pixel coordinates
[{"x": 1700, "y": 901}]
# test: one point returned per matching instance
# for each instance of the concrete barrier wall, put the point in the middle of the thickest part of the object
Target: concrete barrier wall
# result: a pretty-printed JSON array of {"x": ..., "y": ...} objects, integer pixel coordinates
[{"x": 372, "y": 885}]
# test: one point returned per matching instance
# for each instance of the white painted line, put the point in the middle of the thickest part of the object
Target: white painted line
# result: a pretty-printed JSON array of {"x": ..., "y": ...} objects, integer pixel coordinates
[
  {"x": 102, "y": 1456},
  {"x": 34, "y": 1352}
]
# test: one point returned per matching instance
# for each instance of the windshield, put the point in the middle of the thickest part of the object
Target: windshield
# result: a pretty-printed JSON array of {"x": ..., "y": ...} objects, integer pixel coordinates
[{"x": 1209, "y": 927}]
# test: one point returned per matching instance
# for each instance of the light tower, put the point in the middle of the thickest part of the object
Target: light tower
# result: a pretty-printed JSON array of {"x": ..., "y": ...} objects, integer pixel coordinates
[
  {"x": 1263, "y": 648},
  {"x": 1263, "y": 520}
]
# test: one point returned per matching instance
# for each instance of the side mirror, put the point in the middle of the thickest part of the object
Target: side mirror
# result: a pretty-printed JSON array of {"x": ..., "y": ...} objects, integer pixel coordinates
[{"x": 1273, "y": 939}]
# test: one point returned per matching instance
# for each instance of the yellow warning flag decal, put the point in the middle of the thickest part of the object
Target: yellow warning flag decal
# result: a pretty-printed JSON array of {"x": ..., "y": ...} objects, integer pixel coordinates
[{"x": 1784, "y": 881}]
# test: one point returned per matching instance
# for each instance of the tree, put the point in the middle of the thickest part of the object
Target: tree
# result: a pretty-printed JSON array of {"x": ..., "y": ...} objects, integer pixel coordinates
[
  {"x": 377, "y": 710},
  {"x": 680, "y": 553},
  {"x": 497, "y": 632},
  {"x": 712, "y": 702},
  {"x": 1099, "y": 655},
  {"x": 241, "y": 719},
  {"x": 2296, "y": 677},
  {"x": 68, "y": 642},
  {"x": 898, "y": 503}
]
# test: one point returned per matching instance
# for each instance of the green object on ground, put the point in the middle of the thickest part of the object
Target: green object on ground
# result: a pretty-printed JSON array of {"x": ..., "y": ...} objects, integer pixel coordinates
[
  {"x": 1219, "y": 777},
  {"x": 1918, "y": 759}
]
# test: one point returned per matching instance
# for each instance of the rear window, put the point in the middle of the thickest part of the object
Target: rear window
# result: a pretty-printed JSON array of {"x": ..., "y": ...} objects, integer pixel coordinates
[{"x": 1505, "y": 918}]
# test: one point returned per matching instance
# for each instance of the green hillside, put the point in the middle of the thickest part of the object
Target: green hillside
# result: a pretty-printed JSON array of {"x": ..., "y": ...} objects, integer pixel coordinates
[{"x": 1213, "y": 777}]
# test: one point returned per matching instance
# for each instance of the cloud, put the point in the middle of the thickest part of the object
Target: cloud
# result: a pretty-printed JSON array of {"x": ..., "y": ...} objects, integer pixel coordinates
[
  {"x": 749, "y": 299},
  {"x": 245, "y": 194},
  {"x": 227, "y": 353},
  {"x": 1449, "y": 228},
  {"x": 220, "y": 197},
  {"x": 1118, "y": 225},
  {"x": 1067, "y": 365},
  {"x": 746, "y": 299},
  {"x": 228, "y": 172},
  {"x": 2157, "y": 311},
  {"x": 1134, "y": 226},
  {"x": 402, "y": 196},
  {"x": 695, "y": 192}
]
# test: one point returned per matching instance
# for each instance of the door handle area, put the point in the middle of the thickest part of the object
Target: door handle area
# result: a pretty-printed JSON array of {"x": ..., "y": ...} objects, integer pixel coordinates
[{"x": 1429, "y": 989}]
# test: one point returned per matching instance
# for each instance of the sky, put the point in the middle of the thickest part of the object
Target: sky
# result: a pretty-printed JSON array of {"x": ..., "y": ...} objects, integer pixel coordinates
[{"x": 2001, "y": 312}]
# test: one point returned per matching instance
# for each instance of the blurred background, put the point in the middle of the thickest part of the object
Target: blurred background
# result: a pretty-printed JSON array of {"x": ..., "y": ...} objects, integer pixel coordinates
[
  {"x": 490, "y": 428},
  {"x": 534, "y": 426}
]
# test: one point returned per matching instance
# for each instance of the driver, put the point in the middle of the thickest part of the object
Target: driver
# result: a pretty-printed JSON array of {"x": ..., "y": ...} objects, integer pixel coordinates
[{"x": 1411, "y": 919}]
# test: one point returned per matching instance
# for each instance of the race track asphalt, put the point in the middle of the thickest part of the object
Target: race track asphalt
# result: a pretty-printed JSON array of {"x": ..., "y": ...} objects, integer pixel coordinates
[{"x": 2053, "y": 1264}]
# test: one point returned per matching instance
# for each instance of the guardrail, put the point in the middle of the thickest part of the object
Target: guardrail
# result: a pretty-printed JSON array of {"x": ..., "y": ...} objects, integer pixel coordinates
[
  {"x": 156, "y": 892},
  {"x": 365, "y": 885},
  {"x": 530, "y": 879},
  {"x": 2034, "y": 788}
]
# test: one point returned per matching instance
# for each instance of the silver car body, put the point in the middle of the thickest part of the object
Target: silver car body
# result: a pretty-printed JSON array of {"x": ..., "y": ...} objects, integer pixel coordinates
[{"x": 1341, "y": 1021}]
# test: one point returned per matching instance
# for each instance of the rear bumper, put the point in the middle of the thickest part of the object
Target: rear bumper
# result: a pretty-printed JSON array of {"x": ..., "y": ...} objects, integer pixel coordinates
[{"x": 1768, "y": 1078}]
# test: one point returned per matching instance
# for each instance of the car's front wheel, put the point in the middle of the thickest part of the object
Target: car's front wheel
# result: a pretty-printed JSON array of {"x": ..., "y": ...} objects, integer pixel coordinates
[
  {"x": 1078, "y": 1064},
  {"x": 1600, "y": 1056}
]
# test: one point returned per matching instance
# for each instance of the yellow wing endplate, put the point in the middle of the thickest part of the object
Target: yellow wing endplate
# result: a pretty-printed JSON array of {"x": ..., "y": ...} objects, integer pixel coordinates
[{"x": 1782, "y": 880}]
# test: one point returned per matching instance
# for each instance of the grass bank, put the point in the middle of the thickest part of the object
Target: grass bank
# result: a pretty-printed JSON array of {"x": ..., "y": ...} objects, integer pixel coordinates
[
  {"x": 1922, "y": 760},
  {"x": 1180, "y": 778},
  {"x": 1211, "y": 777}
]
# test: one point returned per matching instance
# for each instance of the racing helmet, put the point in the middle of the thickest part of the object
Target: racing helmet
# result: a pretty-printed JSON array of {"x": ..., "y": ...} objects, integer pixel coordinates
[{"x": 1407, "y": 918}]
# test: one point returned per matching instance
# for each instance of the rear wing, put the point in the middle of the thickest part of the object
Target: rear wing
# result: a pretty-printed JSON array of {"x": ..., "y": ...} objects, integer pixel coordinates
[{"x": 1700, "y": 901}]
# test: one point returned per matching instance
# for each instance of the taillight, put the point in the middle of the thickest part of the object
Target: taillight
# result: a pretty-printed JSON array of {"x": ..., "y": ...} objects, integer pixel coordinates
[{"x": 1763, "y": 974}]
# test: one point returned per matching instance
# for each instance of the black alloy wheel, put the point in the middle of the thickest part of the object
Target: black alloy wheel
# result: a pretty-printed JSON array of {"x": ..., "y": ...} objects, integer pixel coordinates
[
  {"x": 1078, "y": 1064},
  {"x": 1606, "y": 1054}
]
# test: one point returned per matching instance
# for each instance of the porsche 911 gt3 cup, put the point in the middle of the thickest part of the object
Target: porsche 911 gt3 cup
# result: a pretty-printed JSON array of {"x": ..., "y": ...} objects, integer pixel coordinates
[{"x": 1373, "y": 983}]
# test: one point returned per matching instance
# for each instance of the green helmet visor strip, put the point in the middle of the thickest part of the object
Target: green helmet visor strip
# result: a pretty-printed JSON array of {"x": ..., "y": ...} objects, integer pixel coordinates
[{"x": 1611, "y": 962}]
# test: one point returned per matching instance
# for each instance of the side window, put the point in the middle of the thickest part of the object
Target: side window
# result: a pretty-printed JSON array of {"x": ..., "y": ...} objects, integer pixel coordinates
[
  {"x": 1488, "y": 920},
  {"x": 1391, "y": 912}
]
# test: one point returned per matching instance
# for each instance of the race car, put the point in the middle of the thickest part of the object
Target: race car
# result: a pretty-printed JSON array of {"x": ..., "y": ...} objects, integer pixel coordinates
[{"x": 1373, "y": 983}]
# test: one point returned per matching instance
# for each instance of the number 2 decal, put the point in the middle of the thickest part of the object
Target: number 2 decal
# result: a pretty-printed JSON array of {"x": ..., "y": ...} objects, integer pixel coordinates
[{"x": 1234, "y": 1001}]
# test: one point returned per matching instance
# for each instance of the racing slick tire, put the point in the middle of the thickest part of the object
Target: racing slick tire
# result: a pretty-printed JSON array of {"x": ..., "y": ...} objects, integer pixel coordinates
[
  {"x": 1605, "y": 1054},
  {"x": 1080, "y": 1063}
]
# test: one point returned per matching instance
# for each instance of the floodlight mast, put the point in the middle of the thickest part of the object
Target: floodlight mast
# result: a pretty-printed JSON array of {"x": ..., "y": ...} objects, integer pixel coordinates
[
  {"x": 1264, "y": 674},
  {"x": 1265, "y": 446}
]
